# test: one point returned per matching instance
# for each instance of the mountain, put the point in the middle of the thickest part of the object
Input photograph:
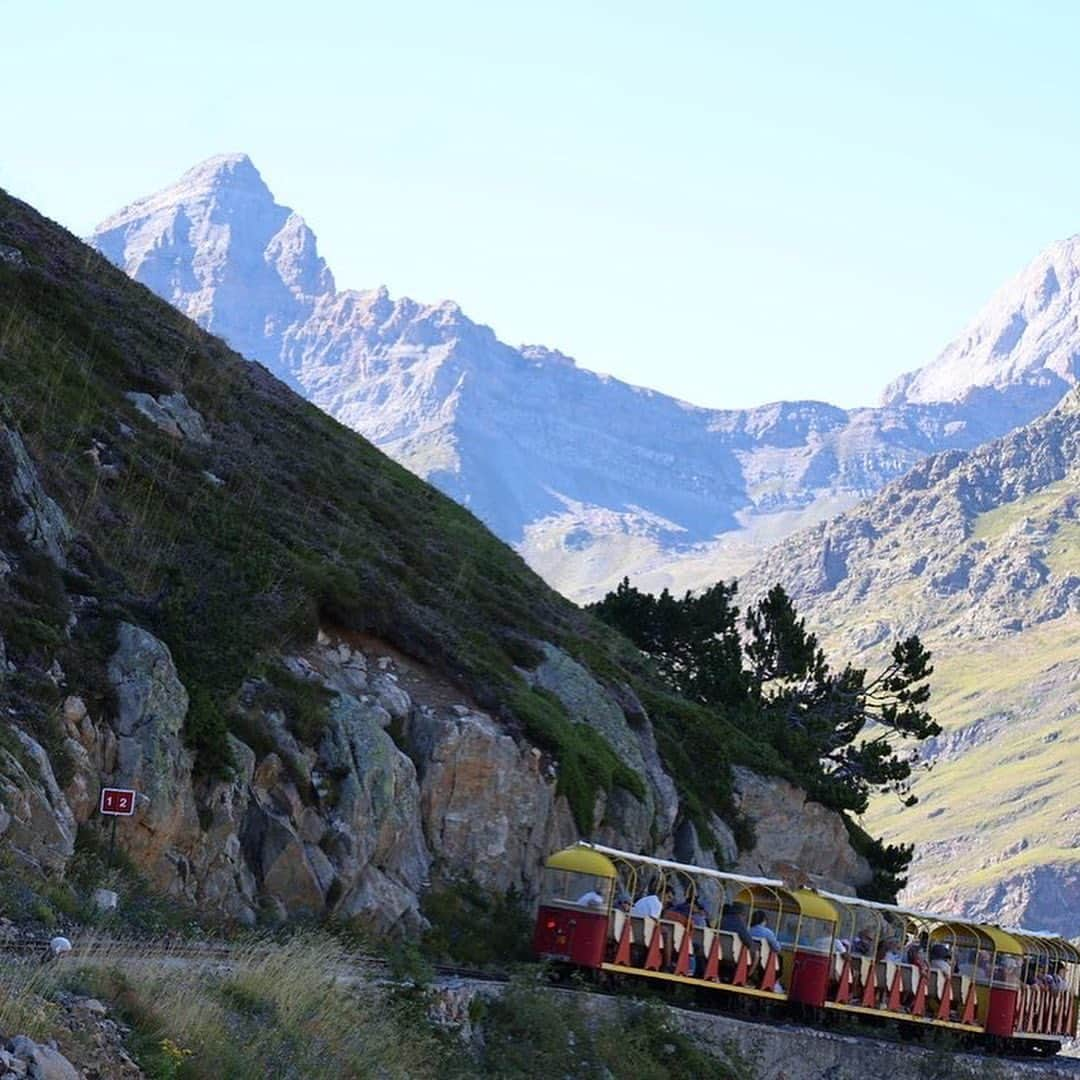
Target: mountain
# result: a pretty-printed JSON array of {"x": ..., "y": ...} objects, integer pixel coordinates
[
  {"x": 979, "y": 553},
  {"x": 1026, "y": 338},
  {"x": 589, "y": 477},
  {"x": 333, "y": 688}
]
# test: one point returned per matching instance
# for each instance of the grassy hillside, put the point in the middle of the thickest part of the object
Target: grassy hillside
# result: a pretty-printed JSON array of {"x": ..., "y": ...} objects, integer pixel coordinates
[{"x": 1001, "y": 798}]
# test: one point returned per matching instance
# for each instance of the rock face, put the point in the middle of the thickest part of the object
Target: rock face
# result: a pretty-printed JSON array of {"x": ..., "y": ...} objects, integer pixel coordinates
[
  {"x": 980, "y": 555},
  {"x": 794, "y": 835},
  {"x": 36, "y": 823},
  {"x": 39, "y": 519},
  {"x": 589, "y": 477}
]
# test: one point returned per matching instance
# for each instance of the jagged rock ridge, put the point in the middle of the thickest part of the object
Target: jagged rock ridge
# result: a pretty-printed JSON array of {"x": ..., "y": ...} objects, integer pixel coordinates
[{"x": 589, "y": 477}]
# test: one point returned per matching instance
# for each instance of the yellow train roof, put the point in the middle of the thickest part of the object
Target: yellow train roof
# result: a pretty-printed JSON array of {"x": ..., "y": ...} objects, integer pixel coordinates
[{"x": 582, "y": 860}]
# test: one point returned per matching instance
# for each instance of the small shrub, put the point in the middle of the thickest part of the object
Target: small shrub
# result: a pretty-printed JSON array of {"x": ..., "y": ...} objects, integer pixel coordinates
[
  {"x": 304, "y": 702},
  {"x": 587, "y": 763},
  {"x": 469, "y": 926}
]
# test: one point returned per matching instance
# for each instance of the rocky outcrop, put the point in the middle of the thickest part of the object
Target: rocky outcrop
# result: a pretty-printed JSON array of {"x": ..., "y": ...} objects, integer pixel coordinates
[
  {"x": 624, "y": 818},
  {"x": 488, "y": 805},
  {"x": 38, "y": 517},
  {"x": 174, "y": 415},
  {"x": 403, "y": 790},
  {"x": 794, "y": 837},
  {"x": 374, "y": 836},
  {"x": 36, "y": 822}
]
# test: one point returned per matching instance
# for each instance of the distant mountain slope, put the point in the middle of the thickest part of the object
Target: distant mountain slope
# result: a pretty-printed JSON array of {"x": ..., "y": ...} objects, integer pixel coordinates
[
  {"x": 980, "y": 554},
  {"x": 589, "y": 477}
]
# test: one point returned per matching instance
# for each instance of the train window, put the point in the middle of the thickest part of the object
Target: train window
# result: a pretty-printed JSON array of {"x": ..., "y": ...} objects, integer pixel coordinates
[
  {"x": 789, "y": 927},
  {"x": 816, "y": 935},
  {"x": 1007, "y": 970},
  {"x": 579, "y": 890}
]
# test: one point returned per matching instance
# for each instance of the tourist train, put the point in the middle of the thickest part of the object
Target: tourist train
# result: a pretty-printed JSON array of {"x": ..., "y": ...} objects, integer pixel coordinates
[{"x": 621, "y": 915}]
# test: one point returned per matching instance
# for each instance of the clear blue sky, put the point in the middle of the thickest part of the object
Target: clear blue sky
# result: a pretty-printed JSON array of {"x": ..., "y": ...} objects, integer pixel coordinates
[{"x": 732, "y": 203}]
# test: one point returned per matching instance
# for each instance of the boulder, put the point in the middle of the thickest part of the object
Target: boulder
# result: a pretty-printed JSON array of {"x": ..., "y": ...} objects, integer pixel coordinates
[
  {"x": 43, "y": 1062},
  {"x": 173, "y": 414}
]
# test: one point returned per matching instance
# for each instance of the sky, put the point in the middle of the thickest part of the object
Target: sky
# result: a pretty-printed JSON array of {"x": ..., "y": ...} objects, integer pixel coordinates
[{"x": 732, "y": 203}]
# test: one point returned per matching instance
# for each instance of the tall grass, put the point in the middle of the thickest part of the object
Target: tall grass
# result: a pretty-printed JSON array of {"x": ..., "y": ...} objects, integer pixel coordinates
[{"x": 287, "y": 1011}]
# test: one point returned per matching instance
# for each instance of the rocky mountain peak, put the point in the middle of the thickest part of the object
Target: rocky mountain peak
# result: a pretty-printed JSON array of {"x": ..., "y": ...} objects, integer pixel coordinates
[
  {"x": 219, "y": 247},
  {"x": 1027, "y": 337}
]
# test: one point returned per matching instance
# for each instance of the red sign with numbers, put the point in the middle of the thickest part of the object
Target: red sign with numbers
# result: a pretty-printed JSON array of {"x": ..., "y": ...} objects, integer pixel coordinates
[{"x": 117, "y": 801}]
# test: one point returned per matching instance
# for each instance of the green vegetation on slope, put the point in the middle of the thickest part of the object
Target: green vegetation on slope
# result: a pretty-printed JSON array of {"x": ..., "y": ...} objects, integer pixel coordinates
[
  {"x": 310, "y": 524},
  {"x": 1009, "y": 781}
]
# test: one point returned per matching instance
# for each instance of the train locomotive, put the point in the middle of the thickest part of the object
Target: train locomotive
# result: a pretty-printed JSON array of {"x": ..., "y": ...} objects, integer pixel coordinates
[{"x": 821, "y": 954}]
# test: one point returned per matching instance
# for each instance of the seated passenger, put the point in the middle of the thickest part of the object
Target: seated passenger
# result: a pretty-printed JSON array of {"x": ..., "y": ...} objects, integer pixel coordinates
[
  {"x": 863, "y": 945},
  {"x": 733, "y": 920},
  {"x": 893, "y": 952},
  {"x": 1061, "y": 979},
  {"x": 652, "y": 904},
  {"x": 760, "y": 929},
  {"x": 590, "y": 899},
  {"x": 677, "y": 912},
  {"x": 940, "y": 958},
  {"x": 687, "y": 913},
  {"x": 916, "y": 957}
]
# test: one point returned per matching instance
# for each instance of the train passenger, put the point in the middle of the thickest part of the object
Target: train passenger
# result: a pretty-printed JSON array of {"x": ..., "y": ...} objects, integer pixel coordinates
[
  {"x": 940, "y": 957},
  {"x": 733, "y": 920},
  {"x": 916, "y": 957},
  {"x": 686, "y": 913},
  {"x": 653, "y": 904},
  {"x": 893, "y": 952},
  {"x": 863, "y": 943},
  {"x": 591, "y": 899},
  {"x": 760, "y": 929},
  {"x": 1061, "y": 979}
]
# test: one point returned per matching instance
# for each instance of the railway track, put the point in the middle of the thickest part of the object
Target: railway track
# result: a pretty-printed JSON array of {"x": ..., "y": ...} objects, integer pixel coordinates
[
  {"x": 358, "y": 965},
  {"x": 120, "y": 950}
]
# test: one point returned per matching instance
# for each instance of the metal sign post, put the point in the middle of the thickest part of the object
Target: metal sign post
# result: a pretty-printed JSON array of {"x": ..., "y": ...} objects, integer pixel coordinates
[{"x": 116, "y": 802}]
